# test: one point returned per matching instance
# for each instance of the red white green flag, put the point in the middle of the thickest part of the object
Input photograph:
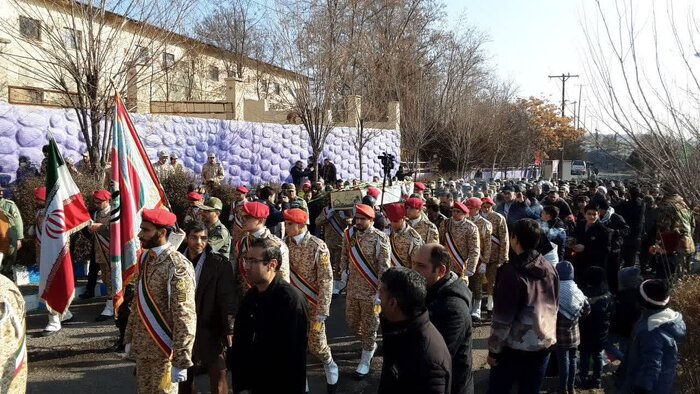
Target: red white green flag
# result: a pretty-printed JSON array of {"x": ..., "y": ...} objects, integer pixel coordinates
[
  {"x": 66, "y": 213},
  {"x": 135, "y": 186}
]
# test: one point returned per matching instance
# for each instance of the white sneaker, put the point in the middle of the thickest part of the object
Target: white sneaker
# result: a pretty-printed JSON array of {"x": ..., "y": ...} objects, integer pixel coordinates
[
  {"x": 476, "y": 309},
  {"x": 109, "y": 308},
  {"x": 67, "y": 316},
  {"x": 336, "y": 287},
  {"x": 365, "y": 362},
  {"x": 489, "y": 303},
  {"x": 54, "y": 324},
  {"x": 332, "y": 372}
]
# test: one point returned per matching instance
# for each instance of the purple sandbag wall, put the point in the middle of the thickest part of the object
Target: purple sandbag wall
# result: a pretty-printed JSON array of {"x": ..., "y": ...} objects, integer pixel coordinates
[{"x": 251, "y": 152}]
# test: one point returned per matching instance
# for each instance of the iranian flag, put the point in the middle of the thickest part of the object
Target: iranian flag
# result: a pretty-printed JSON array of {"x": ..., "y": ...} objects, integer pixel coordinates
[{"x": 66, "y": 213}]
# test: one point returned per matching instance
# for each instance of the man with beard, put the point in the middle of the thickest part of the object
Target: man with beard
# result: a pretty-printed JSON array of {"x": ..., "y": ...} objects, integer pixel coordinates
[
  {"x": 192, "y": 211},
  {"x": 514, "y": 207},
  {"x": 219, "y": 238},
  {"x": 161, "y": 330},
  {"x": 365, "y": 255},
  {"x": 404, "y": 240},
  {"x": 446, "y": 202},
  {"x": 420, "y": 222},
  {"x": 271, "y": 327},
  {"x": 214, "y": 304},
  {"x": 432, "y": 210},
  {"x": 619, "y": 229}
]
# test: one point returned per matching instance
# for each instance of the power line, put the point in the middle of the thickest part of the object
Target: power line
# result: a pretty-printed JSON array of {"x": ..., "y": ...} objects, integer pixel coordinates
[{"x": 563, "y": 77}]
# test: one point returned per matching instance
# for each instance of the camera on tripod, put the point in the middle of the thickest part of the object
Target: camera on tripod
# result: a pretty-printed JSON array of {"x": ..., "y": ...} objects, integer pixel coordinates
[{"x": 387, "y": 160}]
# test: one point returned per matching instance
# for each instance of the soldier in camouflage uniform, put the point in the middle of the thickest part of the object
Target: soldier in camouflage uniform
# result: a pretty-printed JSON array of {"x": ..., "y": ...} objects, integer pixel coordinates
[
  {"x": 404, "y": 240},
  {"x": 675, "y": 226},
  {"x": 38, "y": 227},
  {"x": 485, "y": 230},
  {"x": 11, "y": 241},
  {"x": 311, "y": 273},
  {"x": 162, "y": 168},
  {"x": 253, "y": 216},
  {"x": 461, "y": 238},
  {"x": 333, "y": 224},
  {"x": 365, "y": 254},
  {"x": 212, "y": 172},
  {"x": 420, "y": 222},
  {"x": 192, "y": 212},
  {"x": 100, "y": 243},
  {"x": 13, "y": 348},
  {"x": 294, "y": 200},
  {"x": 499, "y": 245},
  {"x": 162, "y": 323},
  {"x": 240, "y": 197},
  {"x": 219, "y": 237}
]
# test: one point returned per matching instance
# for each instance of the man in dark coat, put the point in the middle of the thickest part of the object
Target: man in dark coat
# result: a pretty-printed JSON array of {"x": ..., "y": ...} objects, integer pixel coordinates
[
  {"x": 554, "y": 199},
  {"x": 514, "y": 207},
  {"x": 214, "y": 304},
  {"x": 592, "y": 246},
  {"x": 298, "y": 173},
  {"x": 416, "y": 359},
  {"x": 632, "y": 211},
  {"x": 328, "y": 172},
  {"x": 271, "y": 329},
  {"x": 618, "y": 229},
  {"x": 449, "y": 305}
]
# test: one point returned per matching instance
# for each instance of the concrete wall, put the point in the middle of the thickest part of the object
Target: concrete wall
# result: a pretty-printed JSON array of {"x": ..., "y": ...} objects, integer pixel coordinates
[{"x": 251, "y": 152}]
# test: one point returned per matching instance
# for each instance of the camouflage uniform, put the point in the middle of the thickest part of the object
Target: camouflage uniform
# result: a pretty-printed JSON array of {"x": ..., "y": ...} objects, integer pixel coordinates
[
  {"x": 36, "y": 230},
  {"x": 405, "y": 243},
  {"x": 8, "y": 242},
  {"x": 241, "y": 282},
  {"x": 213, "y": 172},
  {"x": 476, "y": 284},
  {"x": 13, "y": 352},
  {"x": 170, "y": 280},
  {"x": 191, "y": 215},
  {"x": 101, "y": 248},
  {"x": 235, "y": 218},
  {"x": 162, "y": 170},
  {"x": 333, "y": 240},
  {"x": 499, "y": 247},
  {"x": 466, "y": 237},
  {"x": 220, "y": 239},
  {"x": 427, "y": 230},
  {"x": 360, "y": 313},
  {"x": 309, "y": 258}
]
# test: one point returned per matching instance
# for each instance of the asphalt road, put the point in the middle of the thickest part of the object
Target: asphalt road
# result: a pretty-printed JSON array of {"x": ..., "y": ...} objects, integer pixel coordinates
[{"x": 78, "y": 359}]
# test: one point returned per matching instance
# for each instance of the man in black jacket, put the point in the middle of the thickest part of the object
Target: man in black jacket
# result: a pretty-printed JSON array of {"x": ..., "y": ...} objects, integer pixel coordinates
[
  {"x": 592, "y": 246},
  {"x": 449, "y": 305},
  {"x": 416, "y": 359},
  {"x": 214, "y": 305},
  {"x": 270, "y": 337},
  {"x": 632, "y": 211},
  {"x": 618, "y": 229}
]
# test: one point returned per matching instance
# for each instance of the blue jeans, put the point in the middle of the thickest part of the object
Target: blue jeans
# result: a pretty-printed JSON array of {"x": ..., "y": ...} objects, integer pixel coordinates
[
  {"x": 526, "y": 369},
  {"x": 567, "y": 368},
  {"x": 586, "y": 356}
]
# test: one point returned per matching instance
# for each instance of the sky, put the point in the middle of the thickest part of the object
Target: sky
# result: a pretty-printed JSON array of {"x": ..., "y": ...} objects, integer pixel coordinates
[{"x": 532, "y": 39}]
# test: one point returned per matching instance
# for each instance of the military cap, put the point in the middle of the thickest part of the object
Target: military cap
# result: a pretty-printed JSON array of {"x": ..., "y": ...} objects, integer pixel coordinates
[
  {"x": 159, "y": 217},
  {"x": 415, "y": 203},
  {"x": 473, "y": 202},
  {"x": 256, "y": 210},
  {"x": 194, "y": 196},
  {"x": 395, "y": 212},
  {"x": 461, "y": 207},
  {"x": 213, "y": 204},
  {"x": 364, "y": 210},
  {"x": 102, "y": 195},
  {"x": 296, "y": 215}
]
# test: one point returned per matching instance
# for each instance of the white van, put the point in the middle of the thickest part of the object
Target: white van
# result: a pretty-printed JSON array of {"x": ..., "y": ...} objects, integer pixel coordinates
[{"x": 578, "y": 167}]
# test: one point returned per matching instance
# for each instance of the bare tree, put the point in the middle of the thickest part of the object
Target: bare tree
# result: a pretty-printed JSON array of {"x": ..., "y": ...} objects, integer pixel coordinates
[
  {"x": 85, "y": 50},
  {"x": 644, "y": 76}
]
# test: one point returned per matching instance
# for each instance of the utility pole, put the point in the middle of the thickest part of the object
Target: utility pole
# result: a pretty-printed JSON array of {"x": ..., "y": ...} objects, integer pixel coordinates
[{"x": 564, "y": 78}]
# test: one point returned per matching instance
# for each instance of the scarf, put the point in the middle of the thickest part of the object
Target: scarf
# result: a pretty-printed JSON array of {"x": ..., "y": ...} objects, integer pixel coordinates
[{"x": 571, "y": 299}]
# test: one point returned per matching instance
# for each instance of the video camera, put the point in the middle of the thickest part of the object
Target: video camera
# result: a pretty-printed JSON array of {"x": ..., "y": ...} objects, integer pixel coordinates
[{"x": 387, "y": 160}]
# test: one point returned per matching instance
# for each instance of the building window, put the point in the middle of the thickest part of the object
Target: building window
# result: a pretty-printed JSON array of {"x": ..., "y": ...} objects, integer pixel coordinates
[
  {"x": 73, "y": 38},
  {"x": 168, "y": 60},
  {"x": 214, "y": 73},
  {"x": 30, "y": 28},
  {"x": 35, "y": 96},
  {"x": 142, "y": 54}
]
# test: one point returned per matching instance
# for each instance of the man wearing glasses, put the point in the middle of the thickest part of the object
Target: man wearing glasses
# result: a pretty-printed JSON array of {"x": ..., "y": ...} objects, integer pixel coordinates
[
  {"x": 271, "y": 324},
  {"x": 461, "y": 238}
]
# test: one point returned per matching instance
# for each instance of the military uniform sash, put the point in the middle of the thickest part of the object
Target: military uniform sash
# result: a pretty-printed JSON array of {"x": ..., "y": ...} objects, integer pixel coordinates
[
  {"x": 241, "y": 249},
  {"x": 359, "y": 261},
  {"x": 495, "y": 240},
  {"x": 20, "y": 356},
  {"x": 152, "y": 318},
  {"x": 452, "y": 248},
  {"x": 309, "y": 291},
  {"x": 332, "y": 220},
  {"x": 395, "y": 259}
]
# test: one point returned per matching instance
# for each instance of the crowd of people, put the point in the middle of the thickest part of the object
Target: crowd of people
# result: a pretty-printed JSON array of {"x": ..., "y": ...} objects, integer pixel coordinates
[{"x": 579, "y": 272}]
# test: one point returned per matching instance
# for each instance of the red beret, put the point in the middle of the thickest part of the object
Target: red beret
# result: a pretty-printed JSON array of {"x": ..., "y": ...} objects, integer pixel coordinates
[
  {"x": 473, "y": 202},
  {"x": 419, "y": 186},
  {"x": 364, "y": 210},
  {"x": 256, "y": 210},
  {"x": 415, "y": 203},
  {"x": 40, "y": 193},
  {"x": 395, "y": 212},
  {"x": 242, "y": 190},
  {"x": 194, "y": 196},
  {"x": 373, "y": 191},
  {"x": 159, "y": 217},
  {"x": 488, "y": 200},
  {"x": 306, "y": 184},
  {"x": 296, "y": 215},
  {"x": 102, "y": 195},
  {"x": 461, "y": 207}
]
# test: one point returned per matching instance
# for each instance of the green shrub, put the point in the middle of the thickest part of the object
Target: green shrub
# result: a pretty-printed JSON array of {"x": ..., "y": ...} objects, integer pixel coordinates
[{"x": 685, "y": 298}]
